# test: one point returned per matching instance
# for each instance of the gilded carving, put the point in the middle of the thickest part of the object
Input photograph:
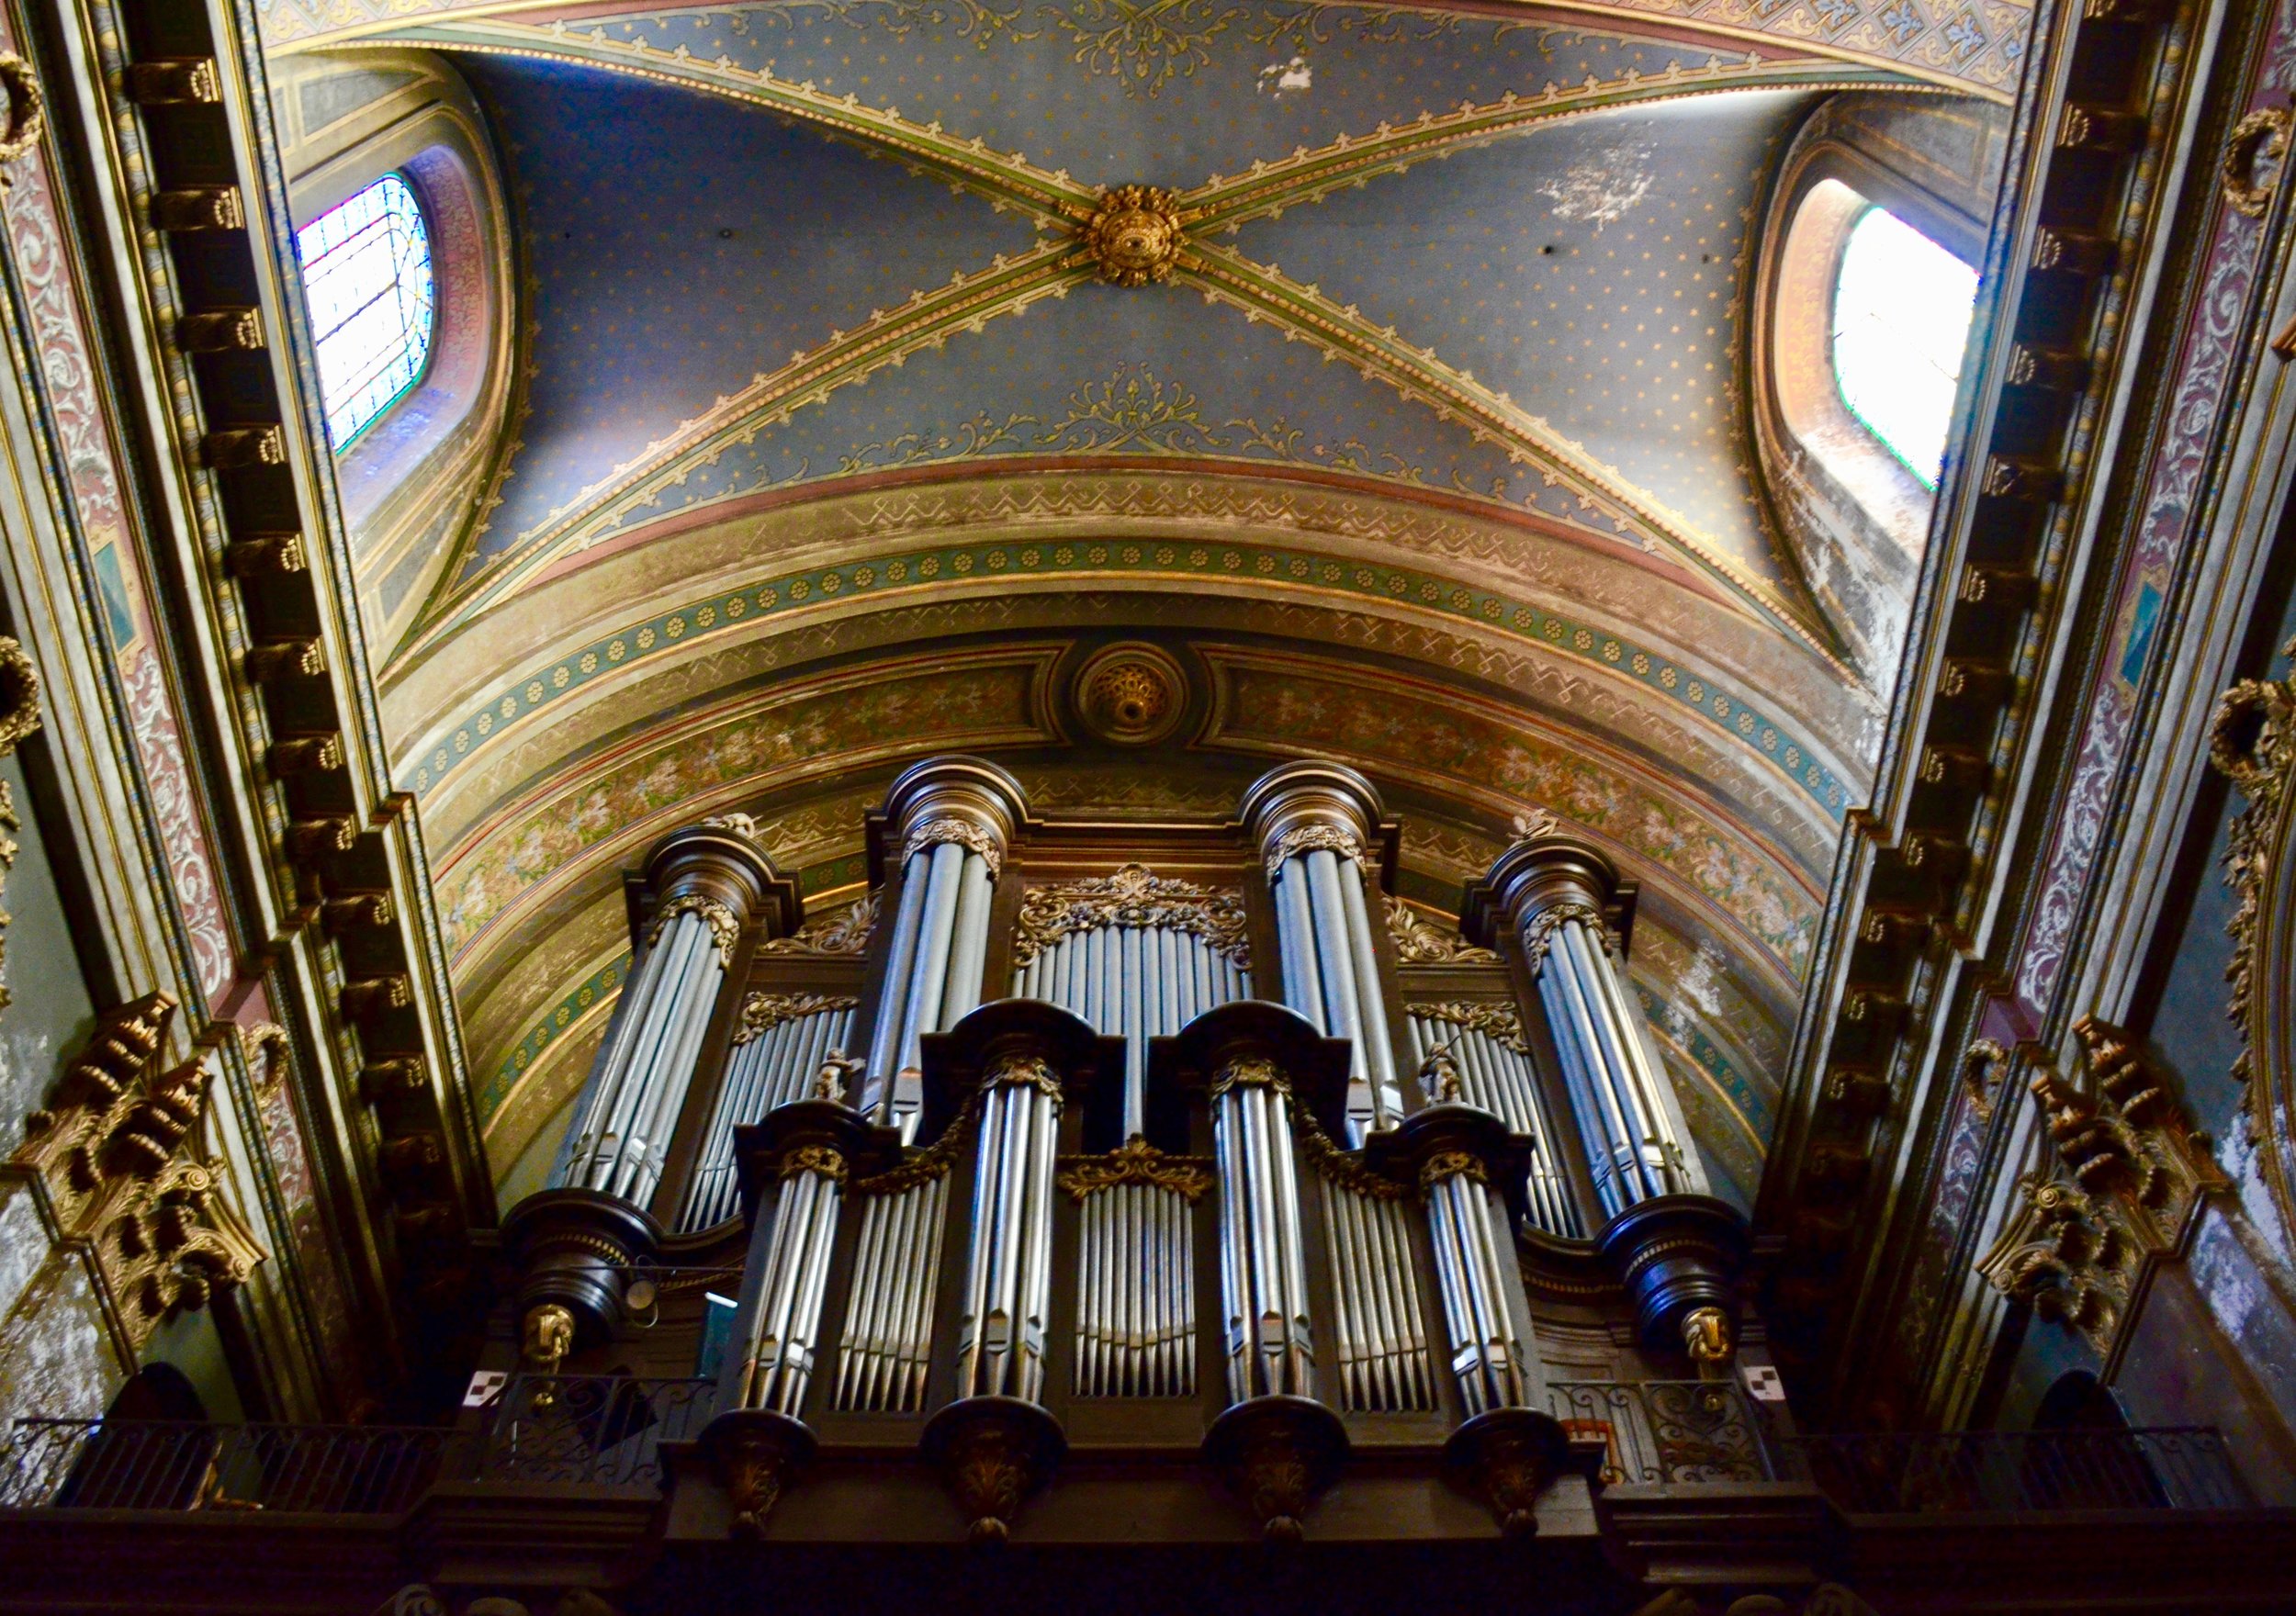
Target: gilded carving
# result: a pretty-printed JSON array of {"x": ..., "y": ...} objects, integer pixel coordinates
[
  {"x": 2257, "y": 140},
  {"x": 844, "y": 931},
  {"x": 1707, "y": 1337},
  {"x": 823, "y": 1160},
  {"x": 115, "y": 1152},
  {"x": 1135, "y": 1162},
  {"x": 1439, "y": 1077},
  {"x": 973, "y": 837},
  {"x": 761, "y": 1013},
  {"x": 548, "y": 1338},
  {"x": 1310, "y": 838},
  {"x": 2125, "y": 1178},
  {"x": 1540, "y": 935},
  {"x": 1135, "y": 235},
  {"x": 19, "y": 716},
  {"x": 1982, "y": 1065},
  {"x": 1447, "y": 1164},
  {"x": 28, "y": 113},
  {"x": 1497, "y": 1022},
  {"x": 1025, "y": 1072},
  {"x": 2252, "y": 741},
  {"x": 1135, "y": 897},
  {"x": 725, "y": 929},
  {"x": 1419, "y": 943}
]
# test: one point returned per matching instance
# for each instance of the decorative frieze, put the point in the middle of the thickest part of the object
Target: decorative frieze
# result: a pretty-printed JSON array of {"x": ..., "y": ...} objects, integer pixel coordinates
[{"x": 1135, "y": 896}]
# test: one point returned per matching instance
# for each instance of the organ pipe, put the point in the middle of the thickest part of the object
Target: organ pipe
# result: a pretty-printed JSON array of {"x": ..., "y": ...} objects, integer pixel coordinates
[
  {"x": 713, "y": 880},
  {"x": 1494, "y": 1060},
  {"x": 953, "y": 818},
  {"x": 778, "y": 1046},
  {"x": 1312, "y": 822},
  {"x": 1003, "y": 1317},
  {"x": 1269, "y": 1344}
]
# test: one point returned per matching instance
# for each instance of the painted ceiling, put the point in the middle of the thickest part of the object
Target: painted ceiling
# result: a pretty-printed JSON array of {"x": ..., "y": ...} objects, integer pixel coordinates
[{"x": 834, "y": 449}]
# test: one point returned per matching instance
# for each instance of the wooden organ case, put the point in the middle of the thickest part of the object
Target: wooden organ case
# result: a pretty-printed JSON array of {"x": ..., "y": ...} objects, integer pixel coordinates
[{"x": 1119, "y": 1171}]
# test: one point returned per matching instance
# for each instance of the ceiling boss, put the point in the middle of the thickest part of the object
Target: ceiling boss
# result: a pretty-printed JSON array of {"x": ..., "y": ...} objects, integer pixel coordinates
[{"x": 1135, "y": 235}]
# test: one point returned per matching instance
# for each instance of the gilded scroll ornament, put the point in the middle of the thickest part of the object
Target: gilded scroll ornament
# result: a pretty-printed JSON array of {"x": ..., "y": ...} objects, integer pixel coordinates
[
  {"x": 1025, "y": 1072},
  {"x": 1439, "y": 1077},
  {"x": 843, "y": 931},
  {"x": 2257, "y": 140},
  {"x": 1448, "y": 1164},
  {"x": 1135, "y": 235},
  {"x": 1498, "y": 1023},
  {"x": 117, "y": 1150},
  {"x": 28, "y": 115},
  {"x": 2252, "y": 742},
  {"x": 931, "y": 1162},
  {"x": 1133, "y": 897},
  {"x": 19, "y": 716},
  {"x": 724, "y": 928},
  {"x": 1249, "y": 1071},
  {"x": 1706, "y": 1338},
  {"x": 1538, "y": 937},
  {"x": 1135, "y": 1162},
  {"x": 761, "y": 1013},
  {"x": 1419, "y": 943},
  {"x": 965, "y": 834},
  {"x": 824, "y": 1160},
  {"x": 1310, "y": 838},
  {"x": 1982, "y": 1064}
]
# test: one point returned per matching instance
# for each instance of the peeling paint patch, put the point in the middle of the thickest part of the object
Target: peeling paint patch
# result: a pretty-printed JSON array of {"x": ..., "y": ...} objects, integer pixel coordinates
[
  {"x": 1601, "y": 191},
  {"x": 1279, "y": 79}
]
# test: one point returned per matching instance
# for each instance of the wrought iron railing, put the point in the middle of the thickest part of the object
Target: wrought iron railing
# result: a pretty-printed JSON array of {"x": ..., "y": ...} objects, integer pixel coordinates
[
  {"x": 169, "y": 1465},
  {"x": 1684, "y": 1432},
  {"x": 2183, "y": 1467},
  {"x": 591, "y": 1429}
]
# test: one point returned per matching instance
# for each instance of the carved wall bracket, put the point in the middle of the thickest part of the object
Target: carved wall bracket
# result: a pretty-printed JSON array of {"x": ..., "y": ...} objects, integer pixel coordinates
[
  {"x": 117, "y": 1150},
  {"x": 2125, "y": 1178}
]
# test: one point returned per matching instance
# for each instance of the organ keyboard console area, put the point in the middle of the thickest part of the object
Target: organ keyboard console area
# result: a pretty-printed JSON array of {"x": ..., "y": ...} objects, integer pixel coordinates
[{"x": 1076, "y": 1146}]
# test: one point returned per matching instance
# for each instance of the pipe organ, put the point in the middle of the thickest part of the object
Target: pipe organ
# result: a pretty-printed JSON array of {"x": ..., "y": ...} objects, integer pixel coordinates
[{"x": 1239, "y": 1150}]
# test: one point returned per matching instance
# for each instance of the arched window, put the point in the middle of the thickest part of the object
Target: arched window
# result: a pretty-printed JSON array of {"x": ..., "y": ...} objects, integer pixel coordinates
[
  {"x": 366, "y": 279},
  {"x": 1901, "y": 315}
]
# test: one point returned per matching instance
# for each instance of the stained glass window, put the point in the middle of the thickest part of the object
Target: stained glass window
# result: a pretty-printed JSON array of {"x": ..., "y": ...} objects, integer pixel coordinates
[
  {"x": 1901, "y": 318},
  {"x": 366, "y": 277}
]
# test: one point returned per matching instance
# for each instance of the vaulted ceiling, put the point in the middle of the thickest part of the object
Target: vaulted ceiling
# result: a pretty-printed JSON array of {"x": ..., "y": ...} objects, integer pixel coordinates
[{"x": 833, "y": 446}]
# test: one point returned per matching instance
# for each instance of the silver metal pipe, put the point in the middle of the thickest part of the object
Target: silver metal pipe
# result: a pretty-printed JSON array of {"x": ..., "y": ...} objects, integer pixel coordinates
[
  {"x": 1236, "y": 1216},
  {"x": 1370, "y": 1001},
  {"x": 885, "y": 1037},
  {"x": 929, "y": 976},
  {"x": 1582, "y": 1078},
  {"x": 676, "y": 946},
  {"x": 969, "y": 943},
  {"x": 1295, "y": 934},
  {"x": 606, "y": 1081},
  {"x": 1613, "y": 1086},
  {"x": 1629, "y": 1100},
  {"x": 663, "y": 1085}
]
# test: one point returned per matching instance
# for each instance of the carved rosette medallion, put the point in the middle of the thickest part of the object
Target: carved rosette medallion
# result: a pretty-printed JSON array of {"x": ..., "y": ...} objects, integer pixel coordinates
[{"x": 1135, "y": 235}]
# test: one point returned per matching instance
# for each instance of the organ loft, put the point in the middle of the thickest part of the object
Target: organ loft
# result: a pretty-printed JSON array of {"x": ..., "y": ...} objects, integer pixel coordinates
[{"x": 1145, "y": 805}]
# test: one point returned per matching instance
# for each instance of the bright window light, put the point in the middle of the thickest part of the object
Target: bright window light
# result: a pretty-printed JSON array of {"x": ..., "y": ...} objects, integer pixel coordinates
[
  {"x": 366, "y": 277},
  {"x": 1901, "y": 318}
]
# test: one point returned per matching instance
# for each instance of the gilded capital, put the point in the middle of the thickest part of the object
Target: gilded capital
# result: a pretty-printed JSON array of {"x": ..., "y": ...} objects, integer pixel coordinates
[
  {"x": 966, "y": 801},
  {"x": 1300, "y": 807}
]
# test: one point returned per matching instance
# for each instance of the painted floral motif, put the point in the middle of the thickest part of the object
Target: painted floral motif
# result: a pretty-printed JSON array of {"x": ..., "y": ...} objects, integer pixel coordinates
[
  {"x": 1309, "y": 714},
  {"x": 978, "y": 706}
]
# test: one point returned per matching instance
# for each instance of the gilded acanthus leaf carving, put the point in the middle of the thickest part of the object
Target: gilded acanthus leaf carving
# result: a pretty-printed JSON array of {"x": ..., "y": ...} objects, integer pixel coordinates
[
  {"x": 1135, "y": 896},
  {"x": 2125, "y": 1176},
  {"x": 116, "y": 1153},
  {"x": 761, "y": 1013},
  {"x": 1419, "y": 942},
  {"x": 841, "y": 931}
]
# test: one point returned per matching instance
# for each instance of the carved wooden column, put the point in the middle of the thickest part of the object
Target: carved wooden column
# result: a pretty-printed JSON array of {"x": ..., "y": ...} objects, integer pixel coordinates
[
  {"x": 949, "y": 821},
  {"x": 1312, "y": 823},
  {"x": 1677, "y": 1250}
]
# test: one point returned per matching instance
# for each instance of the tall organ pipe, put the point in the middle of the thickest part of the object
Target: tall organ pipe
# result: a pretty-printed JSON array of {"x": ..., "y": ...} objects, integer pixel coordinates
[
  {"x": 1312, "y": 823},
  {"x": 706, "y": 882}
]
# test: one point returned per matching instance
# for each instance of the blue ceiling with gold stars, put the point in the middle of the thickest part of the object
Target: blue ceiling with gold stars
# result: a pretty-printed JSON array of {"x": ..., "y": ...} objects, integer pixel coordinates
[{"x": 681, "y": 246}]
